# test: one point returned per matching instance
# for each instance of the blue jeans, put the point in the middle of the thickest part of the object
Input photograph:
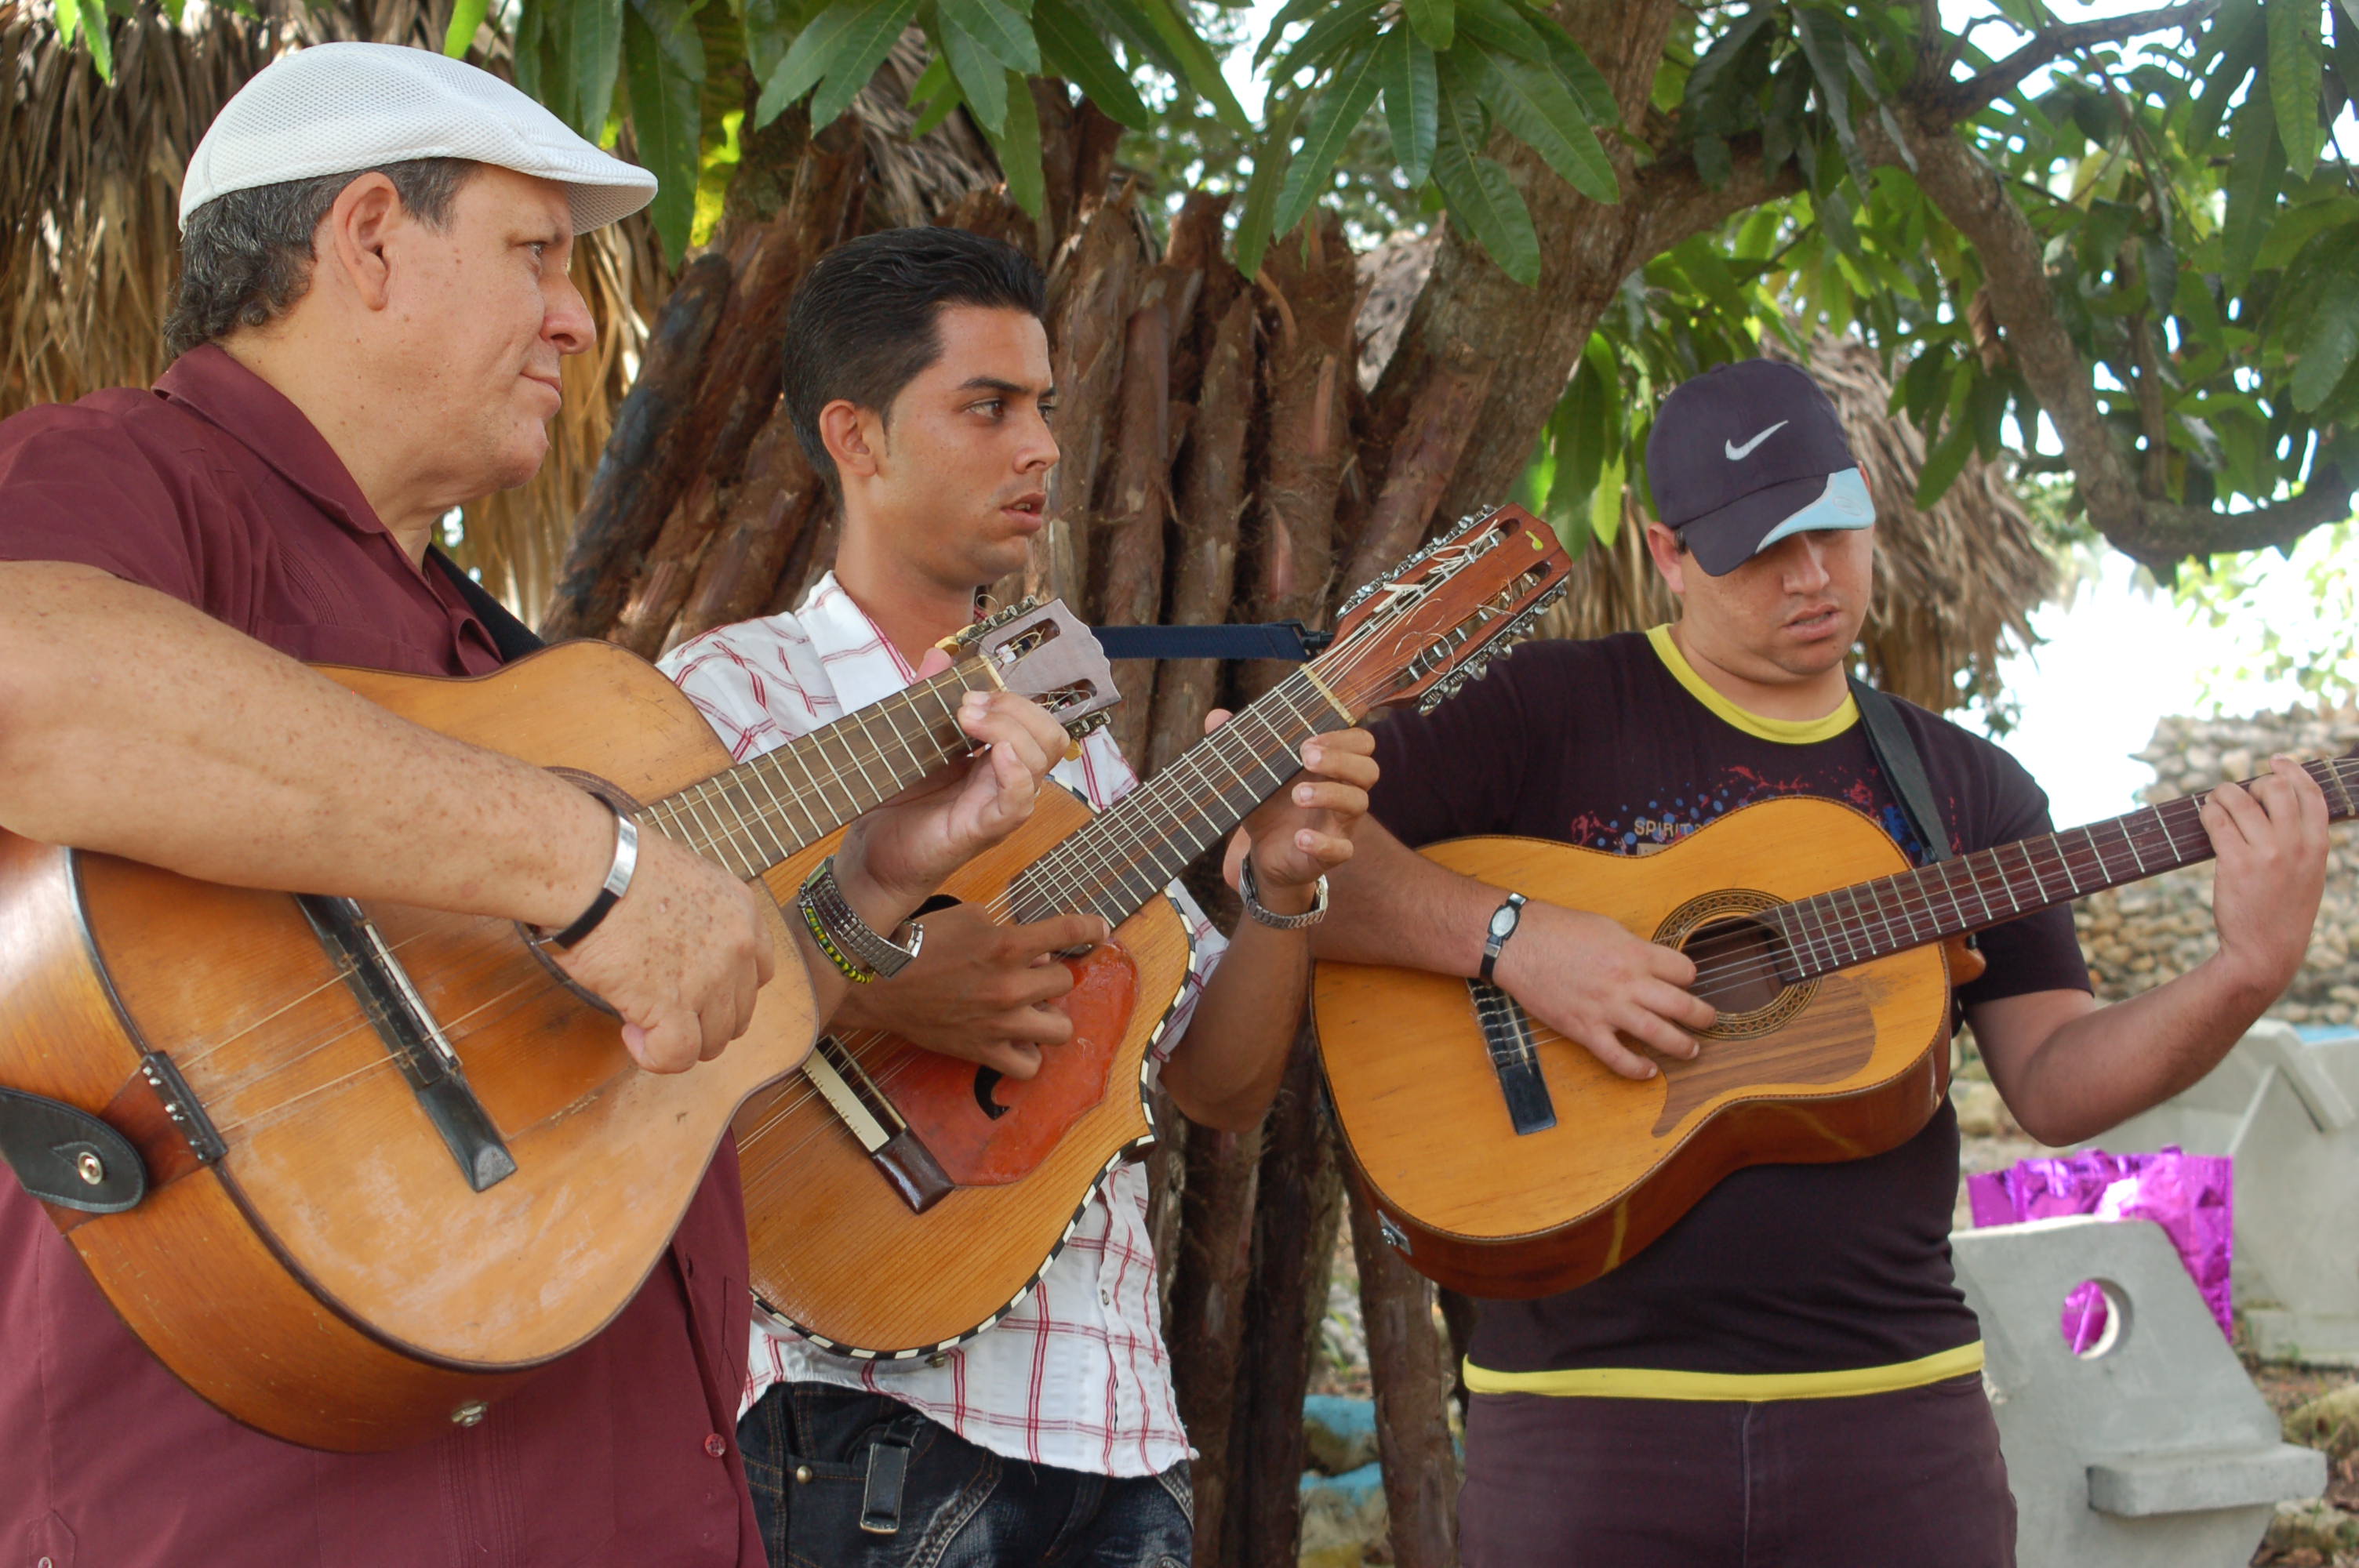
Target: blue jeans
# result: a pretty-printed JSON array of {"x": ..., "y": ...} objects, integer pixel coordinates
[{"x": 847, "y": 1479}]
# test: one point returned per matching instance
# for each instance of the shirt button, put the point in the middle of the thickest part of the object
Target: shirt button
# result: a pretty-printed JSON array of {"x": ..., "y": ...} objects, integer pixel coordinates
[
  {"x": 939, "y": 1358},
  {"x": 802, "y": 1473},
  {"x": 1106, "y": 1297},
  {"x": 715, "y": 1446}
]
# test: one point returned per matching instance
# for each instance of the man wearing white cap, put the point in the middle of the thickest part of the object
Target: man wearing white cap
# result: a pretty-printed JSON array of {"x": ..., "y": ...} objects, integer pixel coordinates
[
  {"x": 1789, "y": 1373},
  {"x": 371, "y": 316}
]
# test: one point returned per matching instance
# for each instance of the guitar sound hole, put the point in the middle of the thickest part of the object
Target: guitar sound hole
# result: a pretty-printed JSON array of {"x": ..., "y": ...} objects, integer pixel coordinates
[{"x": 1737, "y": 965}]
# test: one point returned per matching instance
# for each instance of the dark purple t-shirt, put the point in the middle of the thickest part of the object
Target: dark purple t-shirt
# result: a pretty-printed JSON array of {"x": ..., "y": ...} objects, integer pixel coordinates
[
  {"x": 215, "y": 489},
  {"x": 1780, "y": 1268}
]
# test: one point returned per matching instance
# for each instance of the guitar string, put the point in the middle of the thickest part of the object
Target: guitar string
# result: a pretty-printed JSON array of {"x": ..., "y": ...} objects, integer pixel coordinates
[
  {"x": 1915, "y": 893},
  {"x": 344, "y": 967},
  {"x": 1344, "y": 662}
]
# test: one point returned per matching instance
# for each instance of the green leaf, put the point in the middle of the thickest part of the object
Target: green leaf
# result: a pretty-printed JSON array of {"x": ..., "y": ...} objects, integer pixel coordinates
[
  {"x": 1412, "y": 100},
  {"x": 1071, "y": 49},
  {"x": 1535, "y": 107},
  {"x": 1325, "y": 39},
  {"x": 2334, "y": 339},
  {"x": 998, "y": 29},
  {"x": 1435, "y": 22},
  {"x": 674, "y": 24},
  {"x": 2293, "y": 227},
  {"x": 848, "y": 39},
  {"x": 69, "y": 19},
  {"x": 939, "y": 106},
  {"x": 1713, "y": 163},
  {"x": 1270, "y": 160},
  {"x": 1589, "y": 85},
  {"x": 1500, "y": 27},
  {"x": 980, "y": 76},
  {"x": 1481, "y": 195},
  {"x": 1020, "y": 149},
  {"x": 666, "y": 116},
  {"x": 1820, "y": 36},
  {"x": 1293, "y": 11},
  {"x": 2255, "y": 166},
  {"x": 1197, "y": 66},
  {"x": 1944, "y": 461},
  {"x": 2160, "y": 263},
  {"x": 2296, "y": 60},
  {"x": 1714, "y": 66},
  {"x": 588, "y": 35},
  {"x": 1606, "y": 502},
  {"x": 99, "y": 40},
  {"x": 766, "y": 35},
  {"x": 457, "y": 38},
  {"x": 1342, "y": 104}
]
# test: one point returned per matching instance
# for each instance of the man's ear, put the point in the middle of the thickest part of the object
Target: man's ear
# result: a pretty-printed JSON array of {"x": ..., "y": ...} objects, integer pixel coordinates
[
  {"x": 1669, "y": 559},
  {"x": 352, "y": 239},
  {"x": 851, "y": 437}
]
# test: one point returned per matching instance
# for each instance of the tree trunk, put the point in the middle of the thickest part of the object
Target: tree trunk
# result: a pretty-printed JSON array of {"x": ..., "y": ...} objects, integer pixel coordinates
[
  {"x": 1212, "y": 506},
  {"x": 1405, "y": 1359},
  {"x": 1312, "y": 352},
  {"x": 769, "y": 509},
  {"x": 1295, "y": 1216},
  {"x": 1134, "y": 499},
  {"x": 1210, "y": 1289}
]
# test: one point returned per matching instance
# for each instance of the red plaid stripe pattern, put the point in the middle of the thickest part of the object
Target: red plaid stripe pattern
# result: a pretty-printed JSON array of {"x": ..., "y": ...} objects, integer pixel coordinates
[{"x": 1077, "y": 1376}]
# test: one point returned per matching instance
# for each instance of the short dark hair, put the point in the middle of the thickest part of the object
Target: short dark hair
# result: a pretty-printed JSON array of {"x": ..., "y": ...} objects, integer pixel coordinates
[
  {"x": 245, "y": 256},
  {"x": 865, "y": 321}
]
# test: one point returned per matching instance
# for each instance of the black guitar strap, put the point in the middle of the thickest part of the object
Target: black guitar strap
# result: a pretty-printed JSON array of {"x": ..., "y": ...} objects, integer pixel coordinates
[
  {"x": 511, "y": 636},
  {"x": 1895, "y": 750}
]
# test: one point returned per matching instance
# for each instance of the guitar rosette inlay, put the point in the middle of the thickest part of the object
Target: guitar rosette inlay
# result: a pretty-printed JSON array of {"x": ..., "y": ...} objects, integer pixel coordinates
[{"x": 1740, "y": 962}]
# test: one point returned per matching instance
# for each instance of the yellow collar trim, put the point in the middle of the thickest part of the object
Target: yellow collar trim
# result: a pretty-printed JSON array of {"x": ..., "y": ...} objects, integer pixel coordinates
[
  {"x": 1784, "y": 731},
  {"x": 1647, "y": 1383}
]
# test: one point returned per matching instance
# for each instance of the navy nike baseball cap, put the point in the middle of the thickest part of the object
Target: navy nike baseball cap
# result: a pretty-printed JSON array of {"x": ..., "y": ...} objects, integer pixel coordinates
[{"x": 1748, "y": 454}]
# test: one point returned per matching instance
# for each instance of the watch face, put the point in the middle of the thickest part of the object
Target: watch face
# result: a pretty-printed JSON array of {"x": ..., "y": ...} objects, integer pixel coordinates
[{"x": 1502, "y": 920}]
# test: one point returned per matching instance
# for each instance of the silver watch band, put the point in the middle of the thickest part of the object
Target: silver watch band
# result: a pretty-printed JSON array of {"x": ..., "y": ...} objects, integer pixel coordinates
[
  {"x": 858, "y": 941},
  {"x": 1250, "y": 891}
]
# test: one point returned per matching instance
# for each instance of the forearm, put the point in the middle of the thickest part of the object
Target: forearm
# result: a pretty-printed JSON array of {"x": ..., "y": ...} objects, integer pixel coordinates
[
  {"x": 1226, "y": 1068},
  {"x": 1391, "y": 905},
  {"x": 2100, "y": 1068},
  {"x": 132, "y": 724}
]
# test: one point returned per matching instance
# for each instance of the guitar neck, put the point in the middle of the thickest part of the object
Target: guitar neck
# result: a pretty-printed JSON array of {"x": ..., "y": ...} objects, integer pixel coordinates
[
  {"x": 1971, "y": 893},
  {"x": 1135, "y": 847},
  {"x": 759, "y": 813}
]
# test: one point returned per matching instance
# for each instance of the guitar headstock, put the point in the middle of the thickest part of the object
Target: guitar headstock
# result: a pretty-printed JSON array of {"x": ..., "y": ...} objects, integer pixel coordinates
[
  {"x": 1438, "y": 619},
  {"x": 1043, "y": 652}
]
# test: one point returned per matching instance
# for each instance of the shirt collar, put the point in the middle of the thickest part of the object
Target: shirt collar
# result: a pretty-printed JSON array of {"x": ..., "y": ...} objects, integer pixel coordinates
[
  {"x": 861, "y": 662},
  {"x": 214, "y": 385}
]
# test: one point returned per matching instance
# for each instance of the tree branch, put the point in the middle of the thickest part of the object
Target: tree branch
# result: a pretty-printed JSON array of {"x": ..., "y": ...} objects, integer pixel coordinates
[
  {"x": 1676, "y": 203},
  {"x": 1947, "y": 102},
  {"x": 2156, "y": 533}
]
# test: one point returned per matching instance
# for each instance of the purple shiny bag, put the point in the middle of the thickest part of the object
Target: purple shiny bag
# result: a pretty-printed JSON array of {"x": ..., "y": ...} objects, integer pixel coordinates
[{"x": 2186, "y": 1195}]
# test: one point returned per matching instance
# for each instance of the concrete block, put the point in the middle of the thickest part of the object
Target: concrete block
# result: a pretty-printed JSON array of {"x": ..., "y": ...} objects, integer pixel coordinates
[
  {"x": 2286, "y": 1108},
  {"x": 1343, "y": 1516},
  {"x": 1339, "y": 1434},
  {"x": 2154, "y": 1450}
]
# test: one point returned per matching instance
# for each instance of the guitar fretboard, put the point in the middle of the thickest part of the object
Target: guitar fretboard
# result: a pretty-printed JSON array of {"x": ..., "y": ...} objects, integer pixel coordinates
[
  {"x": 1969, "y": 892},
  {"x": 1127, "y": 852},
  {"x": 759, "y": 813}
]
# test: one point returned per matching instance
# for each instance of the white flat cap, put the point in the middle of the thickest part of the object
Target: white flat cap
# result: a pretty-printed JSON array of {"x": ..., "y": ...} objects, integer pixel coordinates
[{"x": 346, "y": 108}]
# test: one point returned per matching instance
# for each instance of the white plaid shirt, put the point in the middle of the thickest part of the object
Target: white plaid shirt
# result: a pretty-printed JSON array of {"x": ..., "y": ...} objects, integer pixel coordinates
[{"x": 1077, "y": 1375}]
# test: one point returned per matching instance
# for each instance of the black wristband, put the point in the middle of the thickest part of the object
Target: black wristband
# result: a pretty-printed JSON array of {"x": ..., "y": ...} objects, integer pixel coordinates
[{"x": 610, "y": 892}]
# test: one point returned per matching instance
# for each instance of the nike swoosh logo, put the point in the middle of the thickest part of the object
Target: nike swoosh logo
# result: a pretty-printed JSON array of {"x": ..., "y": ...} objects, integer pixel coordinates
[{"x": 1736, "y": 451}]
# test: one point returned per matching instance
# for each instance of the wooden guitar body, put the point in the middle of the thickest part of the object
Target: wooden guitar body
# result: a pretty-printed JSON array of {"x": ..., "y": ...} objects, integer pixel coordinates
[
  {"x": 843, "y": 1255},
  {"x": 335, "y": 1277},
  {"x": 1837, "y": 1067}
]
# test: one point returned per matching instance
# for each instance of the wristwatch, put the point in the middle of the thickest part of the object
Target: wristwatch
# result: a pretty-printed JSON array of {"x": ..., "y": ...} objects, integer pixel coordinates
[
  {"x": 1250, "y": 891},
  {"x": 1503, "y": 922}
]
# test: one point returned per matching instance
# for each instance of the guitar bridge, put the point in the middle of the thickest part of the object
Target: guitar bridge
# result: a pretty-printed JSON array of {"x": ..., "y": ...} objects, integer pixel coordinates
[
  {"x": 905, "y": 1163},
  {"x": 1514, "y": 1057}
]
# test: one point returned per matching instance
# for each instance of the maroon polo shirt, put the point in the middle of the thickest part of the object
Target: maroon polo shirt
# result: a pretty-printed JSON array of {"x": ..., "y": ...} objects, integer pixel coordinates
[{"x": 215, "y": 489}]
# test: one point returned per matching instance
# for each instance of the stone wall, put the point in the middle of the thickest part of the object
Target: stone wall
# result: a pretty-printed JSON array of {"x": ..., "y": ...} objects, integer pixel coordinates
[{"x": 2140, "y": 935}]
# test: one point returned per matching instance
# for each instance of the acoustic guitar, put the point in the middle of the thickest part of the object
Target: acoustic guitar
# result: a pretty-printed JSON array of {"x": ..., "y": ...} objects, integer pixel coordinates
[
  {"x": 1504, "y": 1162},
  {"x": 350, "y": 1170},
  {"x": 899, "y": 1201}
]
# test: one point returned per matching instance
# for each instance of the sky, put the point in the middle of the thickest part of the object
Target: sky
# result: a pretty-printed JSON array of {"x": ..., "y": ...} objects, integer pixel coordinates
[{"x": 2121, "y": 654}]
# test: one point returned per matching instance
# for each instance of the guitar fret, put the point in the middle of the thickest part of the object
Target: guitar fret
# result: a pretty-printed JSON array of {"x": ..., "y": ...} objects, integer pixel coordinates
[
  {"x": 2168, "y": 837},
  {"x": 2040, "y": 887}
]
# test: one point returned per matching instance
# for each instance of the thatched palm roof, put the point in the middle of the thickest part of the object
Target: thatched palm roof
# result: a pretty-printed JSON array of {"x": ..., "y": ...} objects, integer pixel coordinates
[{"x": 1953, "y": 585}]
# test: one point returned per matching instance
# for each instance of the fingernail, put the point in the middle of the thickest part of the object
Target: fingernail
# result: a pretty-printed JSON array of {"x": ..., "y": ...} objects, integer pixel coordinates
[
  {"x": 1651, "y": 1071},
  {"x": 1302, "y": 795}
]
